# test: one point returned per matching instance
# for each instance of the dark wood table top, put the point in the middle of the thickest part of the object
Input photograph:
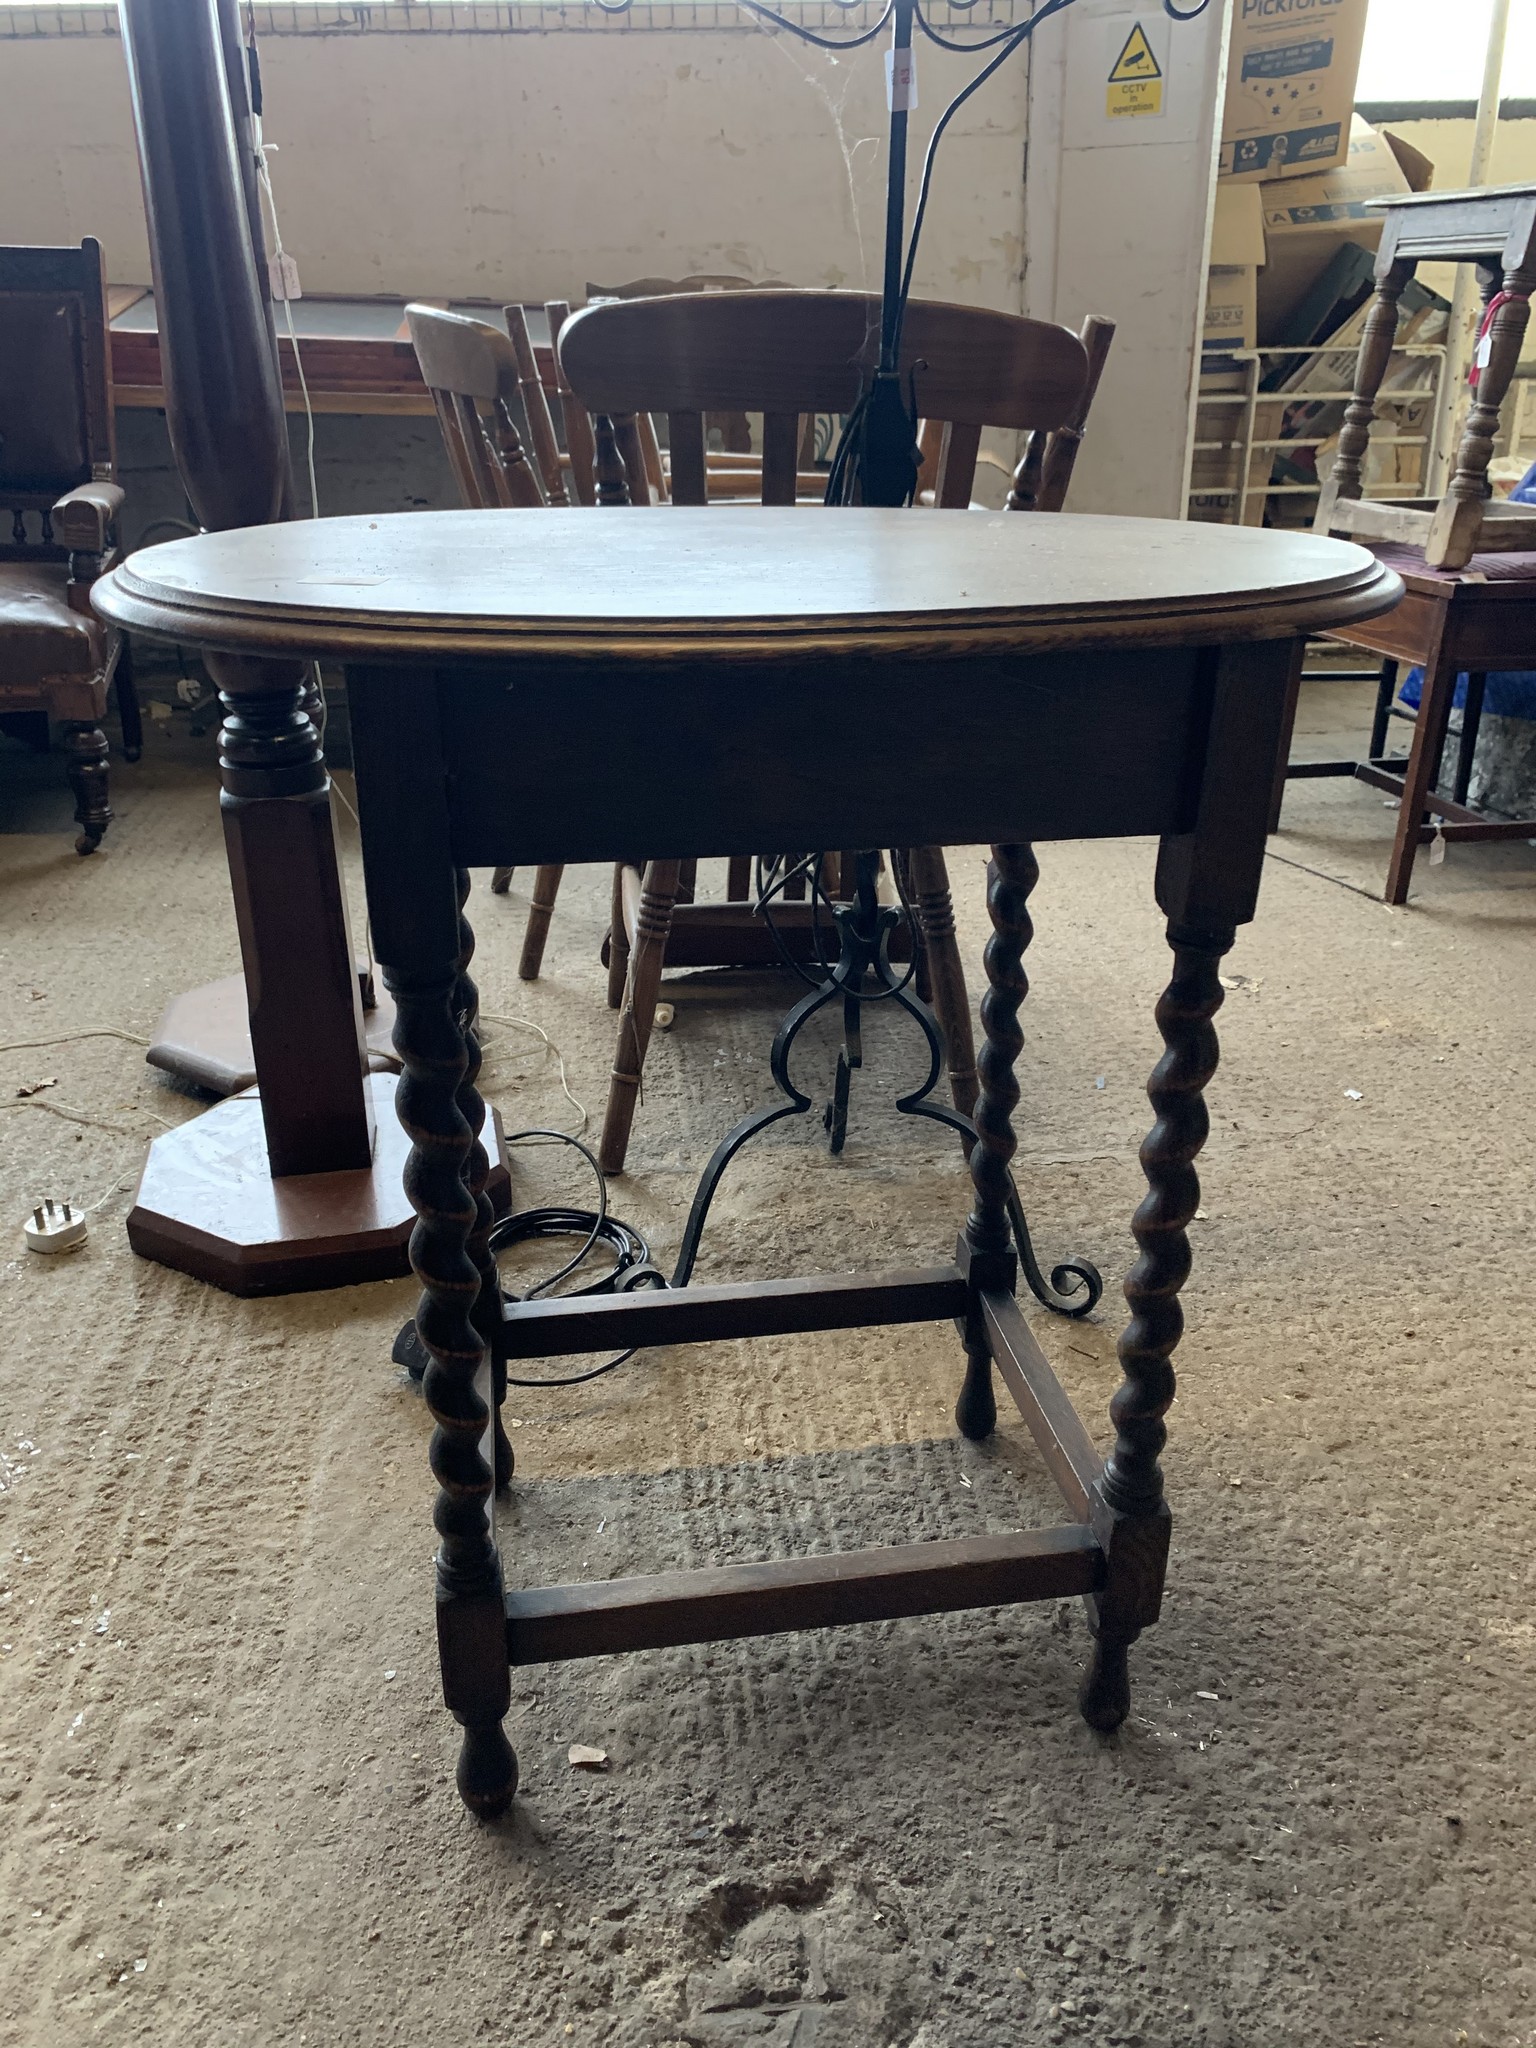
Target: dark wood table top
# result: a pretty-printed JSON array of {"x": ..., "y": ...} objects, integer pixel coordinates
[{"x": 748, "y": 583}]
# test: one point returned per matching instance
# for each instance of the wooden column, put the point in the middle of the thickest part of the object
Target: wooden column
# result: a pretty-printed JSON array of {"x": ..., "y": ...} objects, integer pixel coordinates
[{"x": 222, "y": 1198}]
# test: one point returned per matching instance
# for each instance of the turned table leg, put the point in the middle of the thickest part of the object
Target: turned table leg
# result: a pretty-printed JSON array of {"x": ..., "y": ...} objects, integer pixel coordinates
[
  {"x": 1129, "y": 1514},
  {"x": 477, "y": 1173},
  {"x": 986, "y": 1254},
  {"x": 435, "y": 1092}
]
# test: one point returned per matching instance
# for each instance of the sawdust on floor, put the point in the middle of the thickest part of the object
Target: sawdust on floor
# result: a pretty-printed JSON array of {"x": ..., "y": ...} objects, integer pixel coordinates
[{"x": 226, "y": 1779}]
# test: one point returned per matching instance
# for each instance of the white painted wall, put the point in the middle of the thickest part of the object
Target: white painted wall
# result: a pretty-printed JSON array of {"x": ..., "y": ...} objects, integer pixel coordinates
[
  {"x": 1118, "y": 222},
  {"x": 501, "y": 166},
  {"x": 494, "y": 166}
]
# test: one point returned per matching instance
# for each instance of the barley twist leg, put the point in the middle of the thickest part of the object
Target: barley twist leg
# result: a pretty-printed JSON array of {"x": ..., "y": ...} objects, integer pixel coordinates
[
  {"x": 986, "y": 1250},
  {"x": 434, "y": 1092},
  {"x": 1129, "y": 1512}
]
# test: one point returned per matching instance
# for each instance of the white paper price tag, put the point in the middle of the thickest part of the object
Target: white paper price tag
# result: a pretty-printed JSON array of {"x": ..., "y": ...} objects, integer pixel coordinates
[
  {"x": 901, "y": 81},
  {"x": 283, "y": 273},
  {"x": 1484, "y": 349}
]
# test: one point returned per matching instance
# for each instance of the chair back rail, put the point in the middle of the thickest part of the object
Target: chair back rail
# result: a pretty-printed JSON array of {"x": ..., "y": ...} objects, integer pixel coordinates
[
  {"x": 471, "y": 370},
  {"x": 56, "y": 416},
  {"x": 579, "y": 443},
  {"x": 789, "y": 354},
  {"x": 541, "y": 426}
]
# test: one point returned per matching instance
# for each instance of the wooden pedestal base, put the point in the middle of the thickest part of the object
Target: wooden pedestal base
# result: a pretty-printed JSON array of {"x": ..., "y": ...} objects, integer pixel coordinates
[
  {"x": 204, "y": 1036},
  {"x": 207, "y": 1205}
]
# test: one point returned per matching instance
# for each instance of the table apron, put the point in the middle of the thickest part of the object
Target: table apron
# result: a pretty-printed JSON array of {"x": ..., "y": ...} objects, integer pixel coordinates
[{"x": 551, "y": 761}]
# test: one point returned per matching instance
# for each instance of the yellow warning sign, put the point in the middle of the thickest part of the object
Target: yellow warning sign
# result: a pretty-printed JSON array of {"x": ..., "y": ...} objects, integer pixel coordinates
[{"x": 1135, "y": 79}]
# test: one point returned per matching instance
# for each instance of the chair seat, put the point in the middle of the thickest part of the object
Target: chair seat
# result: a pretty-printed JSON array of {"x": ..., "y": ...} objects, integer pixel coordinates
[
  {"x": 1409, "y": 563},
  {"x": 50, "y": 655}
]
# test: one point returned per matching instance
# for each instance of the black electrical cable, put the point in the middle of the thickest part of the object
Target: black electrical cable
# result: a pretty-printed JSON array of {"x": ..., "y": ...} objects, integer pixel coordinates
[
  {"x": 1014, "y": 39},
  {"x": 632, "y": 1263},
  {"x": 1006, "y": 41}
]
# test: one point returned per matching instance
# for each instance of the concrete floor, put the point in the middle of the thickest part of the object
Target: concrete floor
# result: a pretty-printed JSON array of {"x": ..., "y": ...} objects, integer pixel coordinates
[{"x": 228, "y": 1815}]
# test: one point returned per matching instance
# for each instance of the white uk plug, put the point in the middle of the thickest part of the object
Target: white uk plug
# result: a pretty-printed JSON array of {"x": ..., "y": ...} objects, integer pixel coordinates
[{"x": 55, "y": 1227}]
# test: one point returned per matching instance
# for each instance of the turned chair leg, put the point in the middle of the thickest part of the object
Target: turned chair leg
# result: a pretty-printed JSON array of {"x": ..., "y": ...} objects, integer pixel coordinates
[
  {"x": 501, "y": 880},
  {"x": 546, "y": 886},
  {"x": 127, "y": 696},
  {"x": 618, "y": 940},
  {"x": 950, "y": 997},
  {"x": 639, "y": 1013},
  {"x": 85, "y": 747}
]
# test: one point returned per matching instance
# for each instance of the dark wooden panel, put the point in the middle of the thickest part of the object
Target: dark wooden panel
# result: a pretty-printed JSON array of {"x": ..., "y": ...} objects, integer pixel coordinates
[
  {"x": 760, "y": 1308},
  {"x": 802, "y": 753},
  {"x": 803, "y": 1592},
  {"x": 1209, "y": 875},
  {"x": 1053, "y": 1422},
  {"x": 1496, "y": 627}
]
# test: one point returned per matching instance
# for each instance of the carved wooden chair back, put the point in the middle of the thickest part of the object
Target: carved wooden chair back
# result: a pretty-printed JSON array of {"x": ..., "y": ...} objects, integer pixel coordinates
[
  {"x": 788, "y": 354},
  {"x": 57, "y": 456},
  {"x": 733, "y": 427},
  {"x": 473, "y": 372},
  {"x": 56, "y": 417}
]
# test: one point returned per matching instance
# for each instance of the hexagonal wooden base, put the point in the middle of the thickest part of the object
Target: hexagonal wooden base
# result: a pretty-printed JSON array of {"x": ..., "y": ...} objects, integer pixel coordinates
[
  {"x": 208, "y": 1206},
  {"x": 204, "y": 1037}
]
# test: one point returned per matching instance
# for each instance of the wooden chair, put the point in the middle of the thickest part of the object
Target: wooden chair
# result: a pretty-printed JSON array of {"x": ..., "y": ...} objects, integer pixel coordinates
[
  {"x": 57, "y": 455},
  {"x": 786, "y": 355},
  {"x": 1496, "y": 230},
  {"x": 478, "y": 376},
  {"x": 735, "y": 428}
]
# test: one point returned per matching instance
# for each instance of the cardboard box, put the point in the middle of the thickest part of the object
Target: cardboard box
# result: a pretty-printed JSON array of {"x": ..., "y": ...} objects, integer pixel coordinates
[
  {"x": 1231, "y": 285},
  {"x": 1291, "y": 68},
  {"x": 1307, "y": 220}
]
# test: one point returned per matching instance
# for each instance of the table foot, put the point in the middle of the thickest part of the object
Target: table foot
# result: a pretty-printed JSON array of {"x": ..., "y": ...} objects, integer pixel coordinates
[
  {"x": 1105, "y": 1696},
  {"x": 487, "y": 1770},
  {"x": 976, "y": 1409},
  {"x": 208, "y": 1204}
]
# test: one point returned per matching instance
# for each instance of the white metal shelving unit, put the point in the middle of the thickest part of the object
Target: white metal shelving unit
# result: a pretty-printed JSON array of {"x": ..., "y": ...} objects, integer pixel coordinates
[{"x": 1244, "y": 499}]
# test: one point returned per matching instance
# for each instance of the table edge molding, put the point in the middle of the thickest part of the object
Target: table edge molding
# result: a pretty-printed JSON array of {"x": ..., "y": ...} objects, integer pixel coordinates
[{"x": 131, "y": 602}]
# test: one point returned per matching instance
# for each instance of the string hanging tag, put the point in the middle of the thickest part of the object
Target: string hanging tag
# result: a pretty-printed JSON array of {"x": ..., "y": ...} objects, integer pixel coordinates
[{"x": 1484, "y": 347}]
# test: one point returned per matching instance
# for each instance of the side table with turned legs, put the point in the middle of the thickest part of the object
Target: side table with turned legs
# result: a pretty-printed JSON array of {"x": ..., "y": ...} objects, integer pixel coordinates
[{"x": 1081, "y": 678}]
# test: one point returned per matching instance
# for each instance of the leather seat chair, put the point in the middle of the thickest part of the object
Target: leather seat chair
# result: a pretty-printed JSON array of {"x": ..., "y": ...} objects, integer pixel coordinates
[{"x": 57, "y": 660}]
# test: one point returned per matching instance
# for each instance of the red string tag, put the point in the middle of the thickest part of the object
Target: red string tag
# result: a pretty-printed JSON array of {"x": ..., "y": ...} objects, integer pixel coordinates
[{"x": 1483, "y": 347}]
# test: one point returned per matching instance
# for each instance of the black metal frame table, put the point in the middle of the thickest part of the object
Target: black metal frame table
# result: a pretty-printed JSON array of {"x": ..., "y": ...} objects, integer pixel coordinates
[{"x": 1071, "y": 678}]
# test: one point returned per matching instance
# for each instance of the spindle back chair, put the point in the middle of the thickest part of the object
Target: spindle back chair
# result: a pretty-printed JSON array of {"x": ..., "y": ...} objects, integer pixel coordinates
[
  {"x": 789, "y": 355},
  {"x": 472, "y": 371}
]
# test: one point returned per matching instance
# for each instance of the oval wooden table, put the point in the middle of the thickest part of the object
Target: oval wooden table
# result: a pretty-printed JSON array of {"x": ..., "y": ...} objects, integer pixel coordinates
[{"x": 532, "y": 687}]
